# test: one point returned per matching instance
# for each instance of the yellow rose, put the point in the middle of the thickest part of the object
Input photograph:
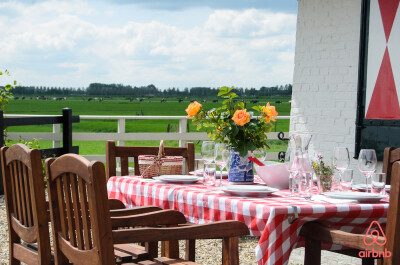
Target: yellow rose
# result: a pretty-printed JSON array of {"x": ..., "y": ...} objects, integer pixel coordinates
[
  {"x": 241, "y": 117},
  {"x": 193, "y": 109},
  {"x": 270, "y": 112}
]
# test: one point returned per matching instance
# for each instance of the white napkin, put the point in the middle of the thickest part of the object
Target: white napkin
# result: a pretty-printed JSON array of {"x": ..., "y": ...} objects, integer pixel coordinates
[{"x": 322, "y": 198}]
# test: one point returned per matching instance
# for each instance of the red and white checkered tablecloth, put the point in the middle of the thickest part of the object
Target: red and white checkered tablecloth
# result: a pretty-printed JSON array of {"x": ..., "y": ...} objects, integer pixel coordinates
[{"x": 266, "y": 217}]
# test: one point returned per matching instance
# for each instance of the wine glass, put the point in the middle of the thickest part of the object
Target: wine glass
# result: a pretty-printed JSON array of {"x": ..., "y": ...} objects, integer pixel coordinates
[
  {"x": 208, "y": 151},
  {"x": 367, "y": 163},
  {"x": 222, "y": 153},
  {"x": 260, "y": 154},
  {"x": 341, "y": 161}
]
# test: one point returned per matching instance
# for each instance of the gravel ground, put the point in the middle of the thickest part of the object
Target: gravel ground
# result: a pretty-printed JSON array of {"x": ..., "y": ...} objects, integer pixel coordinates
[{"x": 209, "y": 251}]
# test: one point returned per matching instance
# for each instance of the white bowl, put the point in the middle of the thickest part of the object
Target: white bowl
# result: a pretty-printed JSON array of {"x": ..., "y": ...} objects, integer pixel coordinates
[{"x": 274, "y": 174}]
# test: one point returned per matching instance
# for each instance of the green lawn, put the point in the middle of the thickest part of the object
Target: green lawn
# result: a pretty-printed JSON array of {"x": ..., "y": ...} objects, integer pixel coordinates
[{"x": 124, "y": 107}]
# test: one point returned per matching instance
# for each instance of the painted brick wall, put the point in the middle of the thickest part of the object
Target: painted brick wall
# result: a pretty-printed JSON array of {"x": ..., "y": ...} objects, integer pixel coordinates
[{"x": 325, "y": 74}]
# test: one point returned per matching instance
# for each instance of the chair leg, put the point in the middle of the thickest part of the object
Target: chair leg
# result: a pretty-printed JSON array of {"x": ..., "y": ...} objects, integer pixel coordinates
[
  {"x": 152, "y": 249},
  {"x": 312, "y": 254},
  {"x": 230, "y": 251},
  {"x": 190, "y": 252},
  {"x": 368, "y": 261},
  {"x": 170, "y": 249}
]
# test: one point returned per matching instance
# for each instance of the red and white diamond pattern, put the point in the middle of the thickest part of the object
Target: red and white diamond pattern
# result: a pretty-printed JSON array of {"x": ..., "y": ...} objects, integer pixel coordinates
[{"x": 383, "y": 66}]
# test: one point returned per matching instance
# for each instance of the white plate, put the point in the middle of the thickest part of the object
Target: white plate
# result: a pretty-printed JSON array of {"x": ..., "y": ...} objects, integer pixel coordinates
[
  {"x": 362, "y": 187},
  {"x": 359, "y": 196},
  {"x": 181, "y": 179},
  {"x": 248, "y": 190}
]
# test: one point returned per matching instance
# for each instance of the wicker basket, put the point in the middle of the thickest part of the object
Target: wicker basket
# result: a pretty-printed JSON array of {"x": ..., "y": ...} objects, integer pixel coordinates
[{"x": 152, "y": 165}]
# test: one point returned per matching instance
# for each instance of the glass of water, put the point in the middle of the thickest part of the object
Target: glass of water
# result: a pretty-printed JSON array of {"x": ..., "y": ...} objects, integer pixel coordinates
[
  {"x": 346, "y": 181},
  {"x": 378, "y": 183},
  {"x": 210, "y": 170}
]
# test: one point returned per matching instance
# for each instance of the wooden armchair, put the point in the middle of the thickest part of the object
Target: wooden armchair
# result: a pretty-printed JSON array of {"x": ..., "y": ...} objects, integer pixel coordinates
[
  {"x": 124, "y": 152},
  {"x": 26, "y": 205},
  {"x": 82, "y": 225},
  {"x": 315, "y": 232},
  {"x": 390, "y": 156}
]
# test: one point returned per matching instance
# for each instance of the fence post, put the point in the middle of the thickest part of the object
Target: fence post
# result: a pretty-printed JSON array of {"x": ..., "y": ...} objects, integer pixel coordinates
[
  {"x": 56, "y": 130},
  {"x": 121, "y": 129},
  {"x": 2, "y": 128},
  {"x": 182, "y": 129},
  {"x": 67, "y": 130},
  {"x": 1, "y": 144}
]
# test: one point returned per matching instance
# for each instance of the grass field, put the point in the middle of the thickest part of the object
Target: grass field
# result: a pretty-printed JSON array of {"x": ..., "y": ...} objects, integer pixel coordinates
[{"x": 148, "y": 107}]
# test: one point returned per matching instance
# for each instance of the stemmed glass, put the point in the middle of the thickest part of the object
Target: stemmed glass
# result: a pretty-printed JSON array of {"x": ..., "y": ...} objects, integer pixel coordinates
[
  {"x": 208, "y": 152},
  {"x": 260, "y": 154},
  {"x": 341, "y": 161},
  {"x": 367, "y": 163},
  {"x": 222, "y": 153}
]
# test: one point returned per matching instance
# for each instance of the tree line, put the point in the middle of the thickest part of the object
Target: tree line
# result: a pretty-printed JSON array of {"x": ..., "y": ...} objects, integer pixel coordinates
[{"x": 99, "y": 89}]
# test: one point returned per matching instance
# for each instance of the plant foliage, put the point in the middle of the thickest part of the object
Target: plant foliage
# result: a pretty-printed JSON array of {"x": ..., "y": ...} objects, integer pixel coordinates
[{"x": 221, "y": 125}]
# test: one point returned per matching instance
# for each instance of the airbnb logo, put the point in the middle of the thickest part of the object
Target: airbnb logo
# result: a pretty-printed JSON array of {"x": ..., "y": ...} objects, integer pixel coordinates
[{"x": 375, "y": 231}]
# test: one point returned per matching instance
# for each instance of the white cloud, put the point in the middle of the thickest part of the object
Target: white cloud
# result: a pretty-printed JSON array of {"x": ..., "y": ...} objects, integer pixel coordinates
[{"x": 60, "y": 44}]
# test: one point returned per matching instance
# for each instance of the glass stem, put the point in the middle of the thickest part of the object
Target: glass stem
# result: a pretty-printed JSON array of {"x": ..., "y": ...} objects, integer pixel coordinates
[{"x": 367, "y": 187}]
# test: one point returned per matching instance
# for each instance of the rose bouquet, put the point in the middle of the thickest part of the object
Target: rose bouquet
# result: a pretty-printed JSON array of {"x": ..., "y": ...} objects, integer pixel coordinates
[{"x": 233, "y": 124}]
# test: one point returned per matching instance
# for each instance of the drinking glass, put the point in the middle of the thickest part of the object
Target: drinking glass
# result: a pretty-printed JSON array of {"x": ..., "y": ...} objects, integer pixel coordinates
[
  {"x": 209, "y": 175},
  {"x": 208, "y": 151},
  {"x": 378, "y": 183},
  {"x": 222, "y": 153},
  {"x": 306, "y": 181},
  {"x": 346, "y": 182},
  {"x": 198, "y": 167},
  {"x": 341, "y": 161},
  {"x": 288, "y": 160},
  {"x": 260, "y": 154},
  {"x": 367, "y": 164}
]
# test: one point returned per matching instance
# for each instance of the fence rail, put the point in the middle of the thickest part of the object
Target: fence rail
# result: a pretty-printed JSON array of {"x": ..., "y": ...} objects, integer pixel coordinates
[{"x": 121, "y": 135}]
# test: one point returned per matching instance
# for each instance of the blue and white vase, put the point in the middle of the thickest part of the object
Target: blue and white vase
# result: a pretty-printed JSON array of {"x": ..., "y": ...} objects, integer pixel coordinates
[{"x": 240, "y": 169}]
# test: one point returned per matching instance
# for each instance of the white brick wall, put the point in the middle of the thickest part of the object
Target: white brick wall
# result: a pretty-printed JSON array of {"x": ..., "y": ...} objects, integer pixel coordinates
[{"x": 325, "y": 74}]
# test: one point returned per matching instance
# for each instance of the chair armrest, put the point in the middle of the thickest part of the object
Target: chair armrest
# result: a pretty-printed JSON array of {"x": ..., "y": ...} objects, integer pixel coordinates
[
  {"x": 222, "y": 229},
  {"x": 133, "y": 211},
  {"x": 162, "y": 217},
  {"x": 317, "y": 231}
]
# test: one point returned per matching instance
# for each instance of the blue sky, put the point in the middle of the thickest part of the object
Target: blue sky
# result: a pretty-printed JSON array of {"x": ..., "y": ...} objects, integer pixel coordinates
[{"x": 180, "y": 43}]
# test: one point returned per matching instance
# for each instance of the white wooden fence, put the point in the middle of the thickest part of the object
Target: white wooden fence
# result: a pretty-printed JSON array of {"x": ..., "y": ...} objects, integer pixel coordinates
[{"x": 121, "y": 136}]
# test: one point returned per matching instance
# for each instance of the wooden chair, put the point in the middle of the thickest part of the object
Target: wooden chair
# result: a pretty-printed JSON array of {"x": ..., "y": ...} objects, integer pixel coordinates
[
  {"x": 124, "y": 152},
  {"x": 82, "y": 225},
  {"x": 26, "y": 205},
  {"x": 390, "y": 156},
  {"x": 316, "y": 232}
]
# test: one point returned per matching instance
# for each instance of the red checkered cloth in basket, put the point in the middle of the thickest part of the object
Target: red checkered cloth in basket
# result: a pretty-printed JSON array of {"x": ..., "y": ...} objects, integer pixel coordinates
[{"x": 267, "y": 217}]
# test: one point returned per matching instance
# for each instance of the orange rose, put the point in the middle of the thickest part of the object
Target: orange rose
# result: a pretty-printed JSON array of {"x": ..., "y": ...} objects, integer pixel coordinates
[
  {"x": 270, "y": 112},
  {"x": 241, "y": 117},
  {"x": 193, "y": 109}
]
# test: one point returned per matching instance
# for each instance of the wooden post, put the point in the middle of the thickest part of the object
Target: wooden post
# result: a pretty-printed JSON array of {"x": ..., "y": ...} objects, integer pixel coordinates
[
  {"x": 1, "y": 145},
  {"x": 182, "y": 129},
  {"x": 67, "y": 130}
]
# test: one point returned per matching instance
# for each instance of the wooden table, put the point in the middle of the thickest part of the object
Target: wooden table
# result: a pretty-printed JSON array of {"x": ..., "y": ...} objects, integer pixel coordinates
[{"x": 268, "y": 217}]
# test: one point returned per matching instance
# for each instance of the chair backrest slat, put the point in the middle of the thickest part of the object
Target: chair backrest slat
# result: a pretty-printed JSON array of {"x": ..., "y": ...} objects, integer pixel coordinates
[
  {"x": 28, "y": 198},
  {"x": 124, "y": 152},
  {"x": 18, "y": 190},
  {"x": 77, "y": 211},
  {"x": 26, "y": 203},
  {"x": 85, "y": 217}
]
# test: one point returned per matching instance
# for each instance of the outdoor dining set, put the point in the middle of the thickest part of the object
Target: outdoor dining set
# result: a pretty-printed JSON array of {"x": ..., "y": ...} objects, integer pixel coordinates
[{"x": 97, "y": 217}]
